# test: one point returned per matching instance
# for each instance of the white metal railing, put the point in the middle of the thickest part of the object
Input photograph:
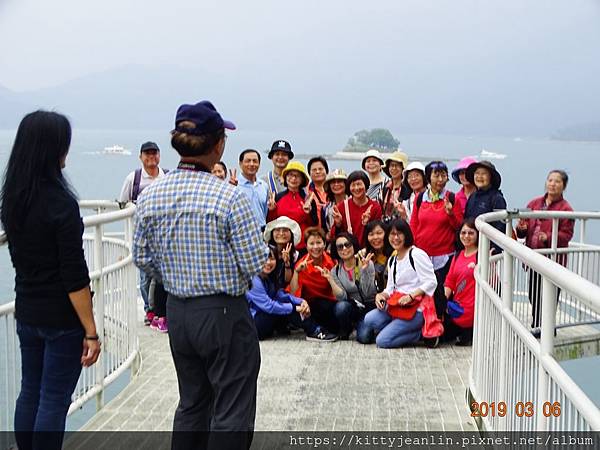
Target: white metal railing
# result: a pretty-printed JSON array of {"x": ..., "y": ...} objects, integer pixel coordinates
[
  {"x": 510, "y": 368},
  {"x": 114, "y": 282}
]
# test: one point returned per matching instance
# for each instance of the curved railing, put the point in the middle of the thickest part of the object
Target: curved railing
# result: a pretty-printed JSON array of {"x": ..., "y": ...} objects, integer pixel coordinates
[
  {"x": 114, "y": 282},
  {"x": 511, "y": 368}
]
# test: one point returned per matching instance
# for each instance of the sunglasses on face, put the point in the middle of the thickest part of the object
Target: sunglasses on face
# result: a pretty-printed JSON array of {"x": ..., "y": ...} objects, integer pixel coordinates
[{"x": 343, "y": 245}]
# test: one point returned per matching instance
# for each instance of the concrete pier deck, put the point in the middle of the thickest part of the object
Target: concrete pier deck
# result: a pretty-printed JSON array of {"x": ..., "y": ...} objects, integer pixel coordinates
[{"x": 305, "y": 386}]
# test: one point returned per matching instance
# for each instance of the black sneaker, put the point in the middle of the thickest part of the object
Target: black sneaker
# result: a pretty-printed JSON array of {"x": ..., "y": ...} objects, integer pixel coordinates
[
  {"x": 322, "y": 336},
  {"x": 463, "y": 342},
  {"x": 431, "y": 342}
]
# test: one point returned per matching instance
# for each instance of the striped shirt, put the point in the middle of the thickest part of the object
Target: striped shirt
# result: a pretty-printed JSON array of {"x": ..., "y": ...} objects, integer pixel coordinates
[{"x": 197, "y": 235}]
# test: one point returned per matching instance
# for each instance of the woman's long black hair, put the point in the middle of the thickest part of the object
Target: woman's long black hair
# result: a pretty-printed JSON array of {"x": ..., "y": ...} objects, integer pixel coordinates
[{"x": 41, "y": 144}]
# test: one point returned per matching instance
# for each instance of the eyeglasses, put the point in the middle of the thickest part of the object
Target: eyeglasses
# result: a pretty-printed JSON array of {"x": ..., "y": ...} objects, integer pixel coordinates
[{"x": 343, "y": 245}]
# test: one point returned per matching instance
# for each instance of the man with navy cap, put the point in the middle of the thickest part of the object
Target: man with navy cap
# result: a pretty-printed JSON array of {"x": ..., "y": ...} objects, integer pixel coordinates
[
  {"x": 134, "y": 184},
  {"x": 199, "y": 236},
  {"x": 280, "y": 154}
]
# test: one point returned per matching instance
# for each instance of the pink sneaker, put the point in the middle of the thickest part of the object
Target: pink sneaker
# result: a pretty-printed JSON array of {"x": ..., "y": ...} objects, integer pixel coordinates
[
  {"x": 154, "y": 323},
  {"x": 162, "y": 325}
]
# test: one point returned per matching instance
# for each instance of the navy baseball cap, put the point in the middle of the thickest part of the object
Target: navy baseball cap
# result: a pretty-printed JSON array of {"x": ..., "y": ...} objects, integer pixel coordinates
[
  {"x": 149, "y": 146},
  {"x": 204, "y": 115}
]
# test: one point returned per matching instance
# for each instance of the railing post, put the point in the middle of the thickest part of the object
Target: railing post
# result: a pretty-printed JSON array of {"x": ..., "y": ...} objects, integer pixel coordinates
[
  {"x": 582, "y": 231},
  {"x": 507, "y": 302},
  {"x": 546, "y": 348},
  {"x": 554, "y": 241},
  {"x": 99, "y": 307}
]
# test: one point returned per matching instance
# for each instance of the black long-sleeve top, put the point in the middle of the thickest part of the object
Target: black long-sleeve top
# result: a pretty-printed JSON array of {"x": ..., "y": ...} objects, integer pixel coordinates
[{"x": 47, "y": 254}]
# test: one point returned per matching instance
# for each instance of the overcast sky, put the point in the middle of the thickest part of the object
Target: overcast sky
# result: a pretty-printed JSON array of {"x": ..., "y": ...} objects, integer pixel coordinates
[{"x": 43, "y": 43}]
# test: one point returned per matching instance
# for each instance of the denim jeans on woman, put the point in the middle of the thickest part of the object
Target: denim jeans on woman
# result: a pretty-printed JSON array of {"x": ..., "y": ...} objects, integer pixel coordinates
[
  {"x": 51, "y": 364},
  {"x": 391, "y": 333}
]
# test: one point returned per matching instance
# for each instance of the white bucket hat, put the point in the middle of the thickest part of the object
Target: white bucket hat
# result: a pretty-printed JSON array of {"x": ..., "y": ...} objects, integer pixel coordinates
[
  {"x": 415, "y": 165},
  {"x": 372, "y": 153},
  {"x": 283, "y": 222}
]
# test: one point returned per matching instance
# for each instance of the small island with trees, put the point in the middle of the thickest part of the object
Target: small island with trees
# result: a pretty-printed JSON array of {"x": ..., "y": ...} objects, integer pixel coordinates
[{"x": 377, "y": 138}]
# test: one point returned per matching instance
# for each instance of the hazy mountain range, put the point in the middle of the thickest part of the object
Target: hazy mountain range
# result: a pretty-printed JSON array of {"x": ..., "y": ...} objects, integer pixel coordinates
[{"x": 136, "y": 96}]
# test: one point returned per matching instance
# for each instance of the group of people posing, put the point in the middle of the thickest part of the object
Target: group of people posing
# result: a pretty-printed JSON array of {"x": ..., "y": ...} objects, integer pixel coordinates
[{"x": 388, "y": 251}]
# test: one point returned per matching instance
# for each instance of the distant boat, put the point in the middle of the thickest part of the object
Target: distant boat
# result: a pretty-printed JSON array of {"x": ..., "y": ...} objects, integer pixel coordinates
[
  {"x": 116, "y": 150},
  {"x": 491, "y": 155}
]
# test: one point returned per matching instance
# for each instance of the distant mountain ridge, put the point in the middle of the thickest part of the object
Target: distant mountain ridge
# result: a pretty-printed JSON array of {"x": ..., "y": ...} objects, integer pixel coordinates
[{"x": 260, "y": 98}]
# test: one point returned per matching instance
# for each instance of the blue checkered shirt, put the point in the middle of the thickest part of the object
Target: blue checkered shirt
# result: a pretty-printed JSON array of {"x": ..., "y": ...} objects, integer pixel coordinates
[{"x": 198, "y": 235}]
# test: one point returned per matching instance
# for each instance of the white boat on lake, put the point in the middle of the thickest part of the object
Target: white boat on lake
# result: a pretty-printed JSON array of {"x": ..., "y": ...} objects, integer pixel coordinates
[
  {"x": 485, "y": 154},
  {"x": 116, "y": 150}
]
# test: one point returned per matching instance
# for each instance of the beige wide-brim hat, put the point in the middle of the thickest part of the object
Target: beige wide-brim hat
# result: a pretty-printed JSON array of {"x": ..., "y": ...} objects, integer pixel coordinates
[
  {"x": 283, "y": 222},
  {"x": 372, "y": 153},
  {"x": 399, "y": 157},
  {"x": 337, "y": 174}
]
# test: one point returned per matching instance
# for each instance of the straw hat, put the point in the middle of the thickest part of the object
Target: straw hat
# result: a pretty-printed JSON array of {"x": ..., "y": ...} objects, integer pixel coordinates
[
  {"x": 337, "y": 174},
  {"x": 399, "y": 157},
  {"x": 283, "y": 222},
  {"x": 295, "y": 165}
]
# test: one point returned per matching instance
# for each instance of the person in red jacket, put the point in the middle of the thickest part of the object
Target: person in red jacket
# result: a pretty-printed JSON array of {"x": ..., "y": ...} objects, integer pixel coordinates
[
  {"x": 310, "y": 282},
  {"x": 355, "y": 213},
  {"x": 293, "y": 202},
  {"x": 538, "y": 234},
  {"x": 459, "y": 288},
  {"x": 434, "y": 222}
]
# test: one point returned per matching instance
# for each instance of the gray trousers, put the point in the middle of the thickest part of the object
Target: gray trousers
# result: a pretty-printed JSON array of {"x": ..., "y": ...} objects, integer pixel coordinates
[{"x": 217, "y": 358}]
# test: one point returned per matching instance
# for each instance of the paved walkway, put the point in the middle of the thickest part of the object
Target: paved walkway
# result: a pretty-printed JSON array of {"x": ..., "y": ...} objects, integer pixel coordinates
[{"x": 305, "y": 386}]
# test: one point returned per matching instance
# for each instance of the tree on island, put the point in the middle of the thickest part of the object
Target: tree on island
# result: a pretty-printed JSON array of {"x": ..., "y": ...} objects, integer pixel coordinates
[{"x": 378, "y": 138}]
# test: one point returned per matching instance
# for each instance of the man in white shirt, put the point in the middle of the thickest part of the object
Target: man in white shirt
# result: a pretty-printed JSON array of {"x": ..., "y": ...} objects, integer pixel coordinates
[
  {"x": 133, "y": 185},
  {"x": 139, "y": 179}
]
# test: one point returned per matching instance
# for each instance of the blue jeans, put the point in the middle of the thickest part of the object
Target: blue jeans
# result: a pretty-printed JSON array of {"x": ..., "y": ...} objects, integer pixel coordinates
[
  {"x": 50, "y": 367},
  {"x": 144, "y": 288},
  {"x": 391, "y": 333}
]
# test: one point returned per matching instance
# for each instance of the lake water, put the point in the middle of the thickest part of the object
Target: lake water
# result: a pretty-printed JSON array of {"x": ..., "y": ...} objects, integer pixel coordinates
[{"x": 98, "y": 176}]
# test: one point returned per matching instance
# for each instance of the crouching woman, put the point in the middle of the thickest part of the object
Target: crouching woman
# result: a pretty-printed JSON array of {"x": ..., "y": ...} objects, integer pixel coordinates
[
  {"x": 272, "y": 308},
  {"x": 398, "y": 319}
]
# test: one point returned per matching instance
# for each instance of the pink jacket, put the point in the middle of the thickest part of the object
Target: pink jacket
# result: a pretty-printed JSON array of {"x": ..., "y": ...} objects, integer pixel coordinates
[{"x": 535, "y": 226}]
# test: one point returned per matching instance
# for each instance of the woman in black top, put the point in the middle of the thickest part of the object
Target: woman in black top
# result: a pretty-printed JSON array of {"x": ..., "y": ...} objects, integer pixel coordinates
[{"x": 53, "y": 304}]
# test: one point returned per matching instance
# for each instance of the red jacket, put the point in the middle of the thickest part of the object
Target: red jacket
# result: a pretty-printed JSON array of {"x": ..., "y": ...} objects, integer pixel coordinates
[
  {"x": 311, "y": 284},
  {"x": 434, "y": 230},
  {"x": 534, "y": 226},
  {"x": 356, "y": 212}
]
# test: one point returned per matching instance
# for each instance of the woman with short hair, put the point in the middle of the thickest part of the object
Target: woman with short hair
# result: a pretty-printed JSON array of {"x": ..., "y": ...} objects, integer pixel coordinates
[
  {"x": 538, "y": 235},
  {"x": 53, "y": 303},
  {"x": 379, "y": 246},
  {"x": 352, "y": 280},
  {"x": 310, "y": 282},
  {"x": 399, "y": 317},
  {"x": 355, "y": 213},
  {"x": 434, "y": 222}
]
